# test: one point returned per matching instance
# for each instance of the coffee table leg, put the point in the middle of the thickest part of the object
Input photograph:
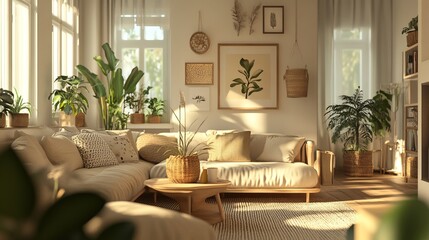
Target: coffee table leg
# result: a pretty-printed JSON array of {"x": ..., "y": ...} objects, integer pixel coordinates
[{"x": 219, "y": 205}]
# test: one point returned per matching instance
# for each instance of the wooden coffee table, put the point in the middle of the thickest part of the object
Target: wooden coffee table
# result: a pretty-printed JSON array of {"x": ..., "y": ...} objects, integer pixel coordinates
[{"x": 191, "y": 197}]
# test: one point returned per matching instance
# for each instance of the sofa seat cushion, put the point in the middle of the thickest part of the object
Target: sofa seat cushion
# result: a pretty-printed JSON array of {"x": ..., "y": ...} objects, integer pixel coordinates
[
  {"x": 152, "y": 222},
  {"x": 258, "y": 174},
  {"x": 119, "y": 182}
]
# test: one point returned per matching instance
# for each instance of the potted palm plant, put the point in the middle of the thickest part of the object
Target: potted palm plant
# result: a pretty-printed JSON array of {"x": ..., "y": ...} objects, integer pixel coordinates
[
  {"x": 184, "y": 167},
  {"x": 6, "y": 102},
  {"x": 111, "y": 92},
  {"x": 136, "y": 101},
  {"x": 355, "y": 122},
  {"x": 17, "y": 117},
  {"x": 156, "y": 110},
  {"x": 70, "y": 100}
]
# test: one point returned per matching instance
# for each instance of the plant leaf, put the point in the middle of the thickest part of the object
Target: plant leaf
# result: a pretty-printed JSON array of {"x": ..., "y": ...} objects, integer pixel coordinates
[
  {"x": 68, "y": 215},
  {"x": 105, "y": 68},
  {"x": 110, "y": 56},
  {"x": 132, "y": 80},
  {"x": 96, "y": 84},
  {"x": 18, "y": 200}
]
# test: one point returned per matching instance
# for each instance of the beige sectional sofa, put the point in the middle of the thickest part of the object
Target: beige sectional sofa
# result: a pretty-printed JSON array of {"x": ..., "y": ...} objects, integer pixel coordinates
[
  {"x": 120, "y": 184},
  {"x": 276, "y": 163}
]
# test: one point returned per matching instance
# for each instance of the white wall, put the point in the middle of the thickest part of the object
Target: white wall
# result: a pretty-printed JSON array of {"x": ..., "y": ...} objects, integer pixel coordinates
[{"x": 294, "y": 116}]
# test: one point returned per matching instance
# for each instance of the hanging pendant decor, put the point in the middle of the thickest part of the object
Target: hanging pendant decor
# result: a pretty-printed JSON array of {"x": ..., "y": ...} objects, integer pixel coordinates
[
  {"x": 199, "y": 41},
  {"x": 296, "y": 78}
]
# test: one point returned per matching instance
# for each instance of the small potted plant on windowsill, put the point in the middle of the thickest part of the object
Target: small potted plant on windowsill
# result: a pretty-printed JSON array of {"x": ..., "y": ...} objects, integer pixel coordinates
[
  {"x": 70, "y": 100},
  {"x": 6, "y": 102},
  {"x": 136, "y": 101},
  {"x": 355, "y": 122},
  {"x": 17, "y": 117},
  {"x": 412, "y": 31},
  {"x": 156, "y": 110}
]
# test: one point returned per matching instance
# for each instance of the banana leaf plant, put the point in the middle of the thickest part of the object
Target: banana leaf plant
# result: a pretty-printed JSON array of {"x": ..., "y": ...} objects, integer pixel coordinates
[
  {"x": 355, "y": 121},
  {"x": 111, "y": 92}
]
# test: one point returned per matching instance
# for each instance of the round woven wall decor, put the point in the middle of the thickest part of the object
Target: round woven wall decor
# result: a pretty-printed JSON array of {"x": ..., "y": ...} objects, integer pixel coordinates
[{"x": 199, "y": 42}]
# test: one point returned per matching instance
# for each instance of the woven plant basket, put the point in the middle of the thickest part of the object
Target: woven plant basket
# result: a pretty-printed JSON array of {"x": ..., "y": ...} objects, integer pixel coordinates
[
  {"x": 358, "y": 163},
  {"x": 2, "y": 120},
  {"x": 412, "y": 38},
  {"x": 19, "y": 119},
  {"x": 154, "y": 119},
  {"x": 183, "y": 170},
  {"x": 137, "y": 118},
  {"x": 296, "y": 82},
  {"x": 79, "y": 120}
]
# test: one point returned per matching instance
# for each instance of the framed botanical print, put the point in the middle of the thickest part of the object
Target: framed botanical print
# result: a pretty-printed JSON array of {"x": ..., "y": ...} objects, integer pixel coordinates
[{"x": 273, "y": 19}]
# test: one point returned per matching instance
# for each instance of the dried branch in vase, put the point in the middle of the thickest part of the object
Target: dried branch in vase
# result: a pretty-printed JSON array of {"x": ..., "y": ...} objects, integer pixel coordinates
[
  {"x": 253, "y": 16},
  {"x": 238, "y": 17}
]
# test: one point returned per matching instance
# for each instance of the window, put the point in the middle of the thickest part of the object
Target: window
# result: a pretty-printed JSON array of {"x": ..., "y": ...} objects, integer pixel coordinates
[
  {"x": 65, "y": 36},
  {"x": 17, "y": 34},
  {"x": 146, "y": 48},
  {"x": 352, "y": 62}
]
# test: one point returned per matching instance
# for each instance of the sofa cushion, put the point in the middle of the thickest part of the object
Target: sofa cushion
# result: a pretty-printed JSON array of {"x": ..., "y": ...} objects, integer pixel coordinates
[
  {"x": 121, "y": 147},
  {"x": 62, "y": 151},
  {"x": 31, "y": 153},
  {"x": 156, "y": 148},
  {"x": 229, "y": 147},
  {"x": 126, "y": 132},
  {"x": 280, "y": 149},
  {"x": 94, "y": 150}
]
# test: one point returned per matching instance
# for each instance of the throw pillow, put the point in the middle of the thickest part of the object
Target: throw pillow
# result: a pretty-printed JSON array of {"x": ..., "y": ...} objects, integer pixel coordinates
[
  {"x": 229, "y": 147},
  {"x": 127, "y": 132},
  {"x": 62, "y": 151},
  {"x": 156, "y": 148},
  {"x": 94, "y": 150},
  {"x": 67, "y": 132},
  {"x": 280, "y": 149},
  {"x": 121, "y": 147},
  {"x": 31, "y": 153}
]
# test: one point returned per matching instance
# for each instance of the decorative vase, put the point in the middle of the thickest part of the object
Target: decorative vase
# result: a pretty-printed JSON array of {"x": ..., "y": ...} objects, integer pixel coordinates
[
  {"x": 154, "y": 119},
  {"x": 183, "y": 169},
  {"x": 19, "y": 120},
  {"x": 79, "y": 119},
  {"x": 137, "y": 118},
  {"x": 358, "y": 163},
  {"x": 2, "y": 120}
]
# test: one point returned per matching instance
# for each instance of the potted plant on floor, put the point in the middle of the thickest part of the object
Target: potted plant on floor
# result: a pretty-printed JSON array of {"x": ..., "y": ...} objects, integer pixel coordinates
[
  {"x": 156, "y": 110},
  {"x": 70, "y": 100},
  {"x": 6, "y": 102},
  {"x": 185, "y": 167},
  {"x": 136, "y": 101},
  {"x": 355, "y": 122},
  {"x": 412, "y": 31},
  {"x": 111, "y": 92},
  {"x": 17, "y": 117}
]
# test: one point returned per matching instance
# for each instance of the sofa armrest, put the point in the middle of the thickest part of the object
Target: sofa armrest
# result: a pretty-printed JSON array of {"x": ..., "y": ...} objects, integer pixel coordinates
[
  {"x": 307, "y": 152},
  {"x": 324, "y": 165}
]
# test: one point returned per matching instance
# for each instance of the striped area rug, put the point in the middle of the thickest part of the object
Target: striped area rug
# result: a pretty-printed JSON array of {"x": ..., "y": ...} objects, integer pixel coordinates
[{"x": 272, "y": 218}]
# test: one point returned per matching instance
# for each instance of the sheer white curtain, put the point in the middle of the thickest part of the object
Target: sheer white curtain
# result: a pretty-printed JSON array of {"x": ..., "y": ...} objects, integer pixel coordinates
[{"x": 341, "y": 16}]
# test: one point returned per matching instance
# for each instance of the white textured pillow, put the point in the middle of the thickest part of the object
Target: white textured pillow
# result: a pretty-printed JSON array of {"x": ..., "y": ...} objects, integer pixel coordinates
[
  {"x": 94, "y": 150},
  {"x": 121, "y": 147},
  {"x": 280, "y": 149},
  {"x": 31, "y": 153},
  {"x": 67, "y": 132},
  {"x": 62, "y": 151},
  {"x": 229, "y": 147}
]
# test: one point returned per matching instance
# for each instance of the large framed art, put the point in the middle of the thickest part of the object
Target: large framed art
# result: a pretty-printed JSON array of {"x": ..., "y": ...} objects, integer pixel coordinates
[{"x": 248, "y": 76}]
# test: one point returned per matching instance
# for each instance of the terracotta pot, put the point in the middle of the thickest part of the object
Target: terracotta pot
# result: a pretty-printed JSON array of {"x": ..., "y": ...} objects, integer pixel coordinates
[
  {"x": 2, "y": 120},
  {"x": 19, "y": 119},
  {"x": 183, "y": 170},
  {"x": 358, "y": 163},
  {"x": 154, "y": 119},
  {"x": 79, "y": 120},
  {"x": 137, "y": 118}
]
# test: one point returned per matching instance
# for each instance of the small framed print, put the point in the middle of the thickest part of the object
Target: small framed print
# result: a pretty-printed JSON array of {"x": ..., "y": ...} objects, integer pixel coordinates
[
  {"x": 411, "y": 112},
  {"x": 198, "y": 73},
  {"x": 199, "y": 98},
  {"x": 273, "y": 19}
]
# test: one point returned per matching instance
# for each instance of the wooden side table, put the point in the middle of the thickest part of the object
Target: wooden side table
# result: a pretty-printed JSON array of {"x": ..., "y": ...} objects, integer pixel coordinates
[{"x": 191, "y": 197}]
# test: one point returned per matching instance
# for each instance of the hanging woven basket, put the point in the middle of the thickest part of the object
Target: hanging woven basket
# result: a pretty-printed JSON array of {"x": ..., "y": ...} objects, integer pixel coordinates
[{"x": 296, "y": 82}]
